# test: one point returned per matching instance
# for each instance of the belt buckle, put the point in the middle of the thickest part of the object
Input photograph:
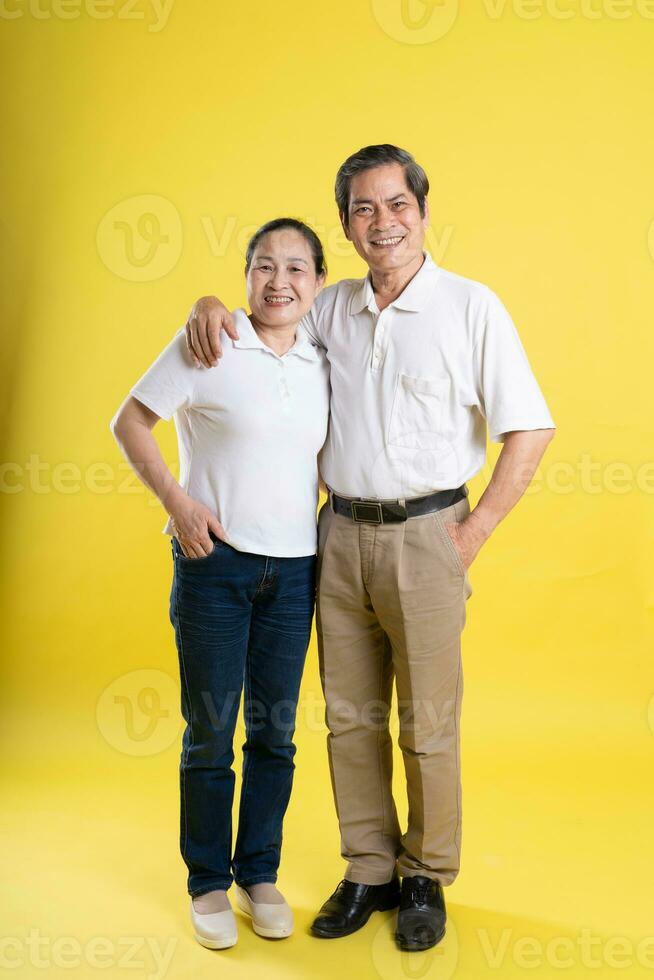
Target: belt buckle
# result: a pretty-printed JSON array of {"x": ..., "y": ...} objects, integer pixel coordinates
[{"x": 367, "y": 512}]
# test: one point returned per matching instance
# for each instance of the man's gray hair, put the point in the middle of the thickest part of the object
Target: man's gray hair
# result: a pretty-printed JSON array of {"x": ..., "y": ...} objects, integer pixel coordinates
[{"x": 380, "y": 155}]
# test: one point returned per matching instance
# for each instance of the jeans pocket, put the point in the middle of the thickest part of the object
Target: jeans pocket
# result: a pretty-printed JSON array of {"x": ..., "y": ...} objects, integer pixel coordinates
[{"x": 182, "y": 558}]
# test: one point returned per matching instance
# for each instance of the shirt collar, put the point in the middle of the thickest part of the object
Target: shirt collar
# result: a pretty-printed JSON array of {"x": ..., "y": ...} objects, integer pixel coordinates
[
  {"x": 413, "y": 298},
  {"x": 248, "y": 339}
]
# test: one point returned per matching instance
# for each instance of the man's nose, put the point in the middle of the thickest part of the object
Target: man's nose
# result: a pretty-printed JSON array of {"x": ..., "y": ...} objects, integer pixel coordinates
[{"x": 383, "y": 219}]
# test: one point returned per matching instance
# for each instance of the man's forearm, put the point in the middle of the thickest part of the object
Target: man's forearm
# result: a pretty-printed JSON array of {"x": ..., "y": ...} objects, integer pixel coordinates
[{"x": 521, "y": 453}]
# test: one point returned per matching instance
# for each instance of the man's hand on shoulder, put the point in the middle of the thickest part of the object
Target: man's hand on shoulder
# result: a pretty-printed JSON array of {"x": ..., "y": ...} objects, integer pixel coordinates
[{"x": 205, "y": 321}]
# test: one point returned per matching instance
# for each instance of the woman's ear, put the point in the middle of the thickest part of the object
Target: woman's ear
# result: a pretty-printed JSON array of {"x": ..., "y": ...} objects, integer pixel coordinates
[{"x": 320, "y": 282}]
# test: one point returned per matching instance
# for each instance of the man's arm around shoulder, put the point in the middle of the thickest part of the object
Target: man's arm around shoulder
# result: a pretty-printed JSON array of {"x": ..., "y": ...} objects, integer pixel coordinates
[{"x": 205, "y": 321}]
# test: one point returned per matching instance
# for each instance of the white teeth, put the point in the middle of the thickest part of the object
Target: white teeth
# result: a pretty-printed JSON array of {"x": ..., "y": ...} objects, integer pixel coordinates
[{"x": 388, "y": 241}]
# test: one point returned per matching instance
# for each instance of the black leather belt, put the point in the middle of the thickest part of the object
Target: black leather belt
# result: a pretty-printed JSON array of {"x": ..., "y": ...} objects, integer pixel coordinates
[{"x": 365, "y": 511}]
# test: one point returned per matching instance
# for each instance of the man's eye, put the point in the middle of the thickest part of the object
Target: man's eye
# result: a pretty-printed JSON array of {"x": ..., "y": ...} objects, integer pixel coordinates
[
  {"x": 399, "y": 204},
  {"x": 361, "y": 210},
  {"x": 296, "y": 269}
]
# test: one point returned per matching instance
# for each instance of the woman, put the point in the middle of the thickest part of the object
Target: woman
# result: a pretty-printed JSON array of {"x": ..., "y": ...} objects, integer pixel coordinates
[{"x": 243, "y": 526}]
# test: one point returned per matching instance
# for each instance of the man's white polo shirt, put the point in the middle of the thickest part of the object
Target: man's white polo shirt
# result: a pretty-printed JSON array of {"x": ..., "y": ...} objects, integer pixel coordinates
[
  {"x": 249, "y": 433},
  {"x": 414, "y": 386}
]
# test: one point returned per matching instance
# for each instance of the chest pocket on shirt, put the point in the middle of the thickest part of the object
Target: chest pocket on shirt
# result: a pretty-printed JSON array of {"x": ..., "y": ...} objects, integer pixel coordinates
[{"x": 418, "y": 410}]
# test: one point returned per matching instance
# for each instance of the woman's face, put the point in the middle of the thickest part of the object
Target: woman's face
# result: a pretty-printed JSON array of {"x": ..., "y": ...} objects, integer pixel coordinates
[{"x": 282, "y": 282}]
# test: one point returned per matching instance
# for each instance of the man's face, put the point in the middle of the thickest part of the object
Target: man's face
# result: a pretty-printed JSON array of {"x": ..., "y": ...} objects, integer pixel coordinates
[{"x": 384, "y": 222}]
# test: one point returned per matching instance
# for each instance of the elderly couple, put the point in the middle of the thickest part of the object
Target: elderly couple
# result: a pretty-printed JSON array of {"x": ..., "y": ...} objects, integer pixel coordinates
[{"x": 383, "y": 387}]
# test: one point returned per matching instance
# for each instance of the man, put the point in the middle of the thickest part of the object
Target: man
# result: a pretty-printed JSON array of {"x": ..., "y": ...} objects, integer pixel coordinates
[{"x": 421, "y": 361}]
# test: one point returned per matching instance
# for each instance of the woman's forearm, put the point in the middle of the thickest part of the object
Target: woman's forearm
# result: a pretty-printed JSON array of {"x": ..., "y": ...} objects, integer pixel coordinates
[{"x": 132, "y": 430}]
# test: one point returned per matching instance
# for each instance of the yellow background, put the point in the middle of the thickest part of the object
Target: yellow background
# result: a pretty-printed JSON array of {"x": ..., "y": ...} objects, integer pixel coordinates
[{"x": 138, "y": 151}]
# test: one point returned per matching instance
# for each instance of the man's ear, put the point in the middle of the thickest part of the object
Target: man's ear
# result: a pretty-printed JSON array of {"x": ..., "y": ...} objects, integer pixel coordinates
[
  {"x": 425, "y": 219},
  {"x": 344, "y": 226}
]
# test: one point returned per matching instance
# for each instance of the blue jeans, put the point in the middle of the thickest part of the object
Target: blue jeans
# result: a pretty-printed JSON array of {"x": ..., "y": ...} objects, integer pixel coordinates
[{"x": 240, "y": 620}]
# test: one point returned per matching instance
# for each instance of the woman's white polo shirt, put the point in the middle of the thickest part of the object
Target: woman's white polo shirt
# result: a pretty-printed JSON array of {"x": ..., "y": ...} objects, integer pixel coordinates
[{"x": 249, "y": 432}]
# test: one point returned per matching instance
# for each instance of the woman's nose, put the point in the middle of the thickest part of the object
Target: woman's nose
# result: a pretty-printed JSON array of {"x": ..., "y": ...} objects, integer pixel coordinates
[{"x": 278, "y": 279}]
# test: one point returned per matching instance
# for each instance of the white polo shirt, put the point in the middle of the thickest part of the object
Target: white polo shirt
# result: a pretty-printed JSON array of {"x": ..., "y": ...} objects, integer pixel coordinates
[
  {"x": 413, "y": 387},
  {"x": 249, "y": 433}
]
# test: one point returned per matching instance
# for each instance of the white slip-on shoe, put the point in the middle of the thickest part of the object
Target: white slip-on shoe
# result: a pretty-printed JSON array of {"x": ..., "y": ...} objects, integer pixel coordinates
[
  {"x": 268, "y": 920},
  {"x": 215, "y": 930}
]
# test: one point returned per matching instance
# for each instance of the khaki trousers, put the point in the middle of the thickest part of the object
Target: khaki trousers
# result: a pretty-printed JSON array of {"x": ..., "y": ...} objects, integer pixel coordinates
[{"x": 391, "y": 604}]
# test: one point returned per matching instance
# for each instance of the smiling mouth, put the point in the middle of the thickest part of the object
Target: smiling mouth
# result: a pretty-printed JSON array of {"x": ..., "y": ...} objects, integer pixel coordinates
[
  {"x": 278, "y": 300},
  {"x": 388, "y": 242}
]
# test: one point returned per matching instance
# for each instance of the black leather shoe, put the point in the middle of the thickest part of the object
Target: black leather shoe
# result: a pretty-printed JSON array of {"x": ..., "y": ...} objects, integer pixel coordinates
[
  {"x": 351, "y": 906},
  {"x": 421, "y": 919}
]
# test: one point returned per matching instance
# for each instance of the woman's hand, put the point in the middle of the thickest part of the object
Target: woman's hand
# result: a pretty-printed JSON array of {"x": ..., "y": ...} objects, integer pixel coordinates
[{"x": 191, "y": 523}]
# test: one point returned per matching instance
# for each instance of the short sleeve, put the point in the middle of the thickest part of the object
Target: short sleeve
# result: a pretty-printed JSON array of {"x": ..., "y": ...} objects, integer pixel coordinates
[
  {"x": 312, "y": 320},
  {"x": 509, "y": 395},
  {"x": 168, "y": 383}
]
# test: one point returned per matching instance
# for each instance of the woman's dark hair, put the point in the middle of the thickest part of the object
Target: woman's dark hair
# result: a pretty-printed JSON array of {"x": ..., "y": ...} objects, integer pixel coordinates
[
  {"x": 308, "y": 233},
  {"x": 379, "y": 156}
]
